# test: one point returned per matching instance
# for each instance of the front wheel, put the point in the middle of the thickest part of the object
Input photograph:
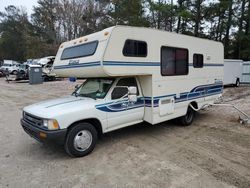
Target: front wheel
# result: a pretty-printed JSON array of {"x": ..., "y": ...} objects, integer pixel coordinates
[
  {"x": 188, "y": 118},
  {"x": 81, "y": 140}
]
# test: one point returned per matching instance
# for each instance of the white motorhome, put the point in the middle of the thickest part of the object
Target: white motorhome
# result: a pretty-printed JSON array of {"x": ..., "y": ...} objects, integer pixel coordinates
[
  {"x": 132, "y": 75},
  {"x": 232, "y": 72}
]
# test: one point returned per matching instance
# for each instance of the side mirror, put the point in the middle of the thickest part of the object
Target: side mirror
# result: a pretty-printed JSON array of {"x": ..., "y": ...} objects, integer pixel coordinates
[
  {"x": 132, "y": 90},
  {"x": 132, "y": 94}
]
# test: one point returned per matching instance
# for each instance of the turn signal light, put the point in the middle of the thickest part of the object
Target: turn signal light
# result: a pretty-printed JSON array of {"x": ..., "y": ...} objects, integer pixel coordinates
[
  {"x": 55, "y": 125},
  {"x": 42, "y": 135}
]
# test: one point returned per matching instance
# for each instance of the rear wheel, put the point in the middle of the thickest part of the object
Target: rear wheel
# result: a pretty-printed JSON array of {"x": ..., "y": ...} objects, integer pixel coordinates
[
  {"x": 237, "y": 83},
  {"x": 188, "y": 118},
  {"x": 14, "y": 72},
  {"x": 81, "y": 140}
]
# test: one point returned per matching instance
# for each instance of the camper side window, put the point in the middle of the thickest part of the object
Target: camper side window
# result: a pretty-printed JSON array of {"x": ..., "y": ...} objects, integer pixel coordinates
[
  {"x": 174, "y": 61},
  {"x": 135, "y": 48},
  {"x": 198, "y": 60},
  {"x": 82, "y": 50}
]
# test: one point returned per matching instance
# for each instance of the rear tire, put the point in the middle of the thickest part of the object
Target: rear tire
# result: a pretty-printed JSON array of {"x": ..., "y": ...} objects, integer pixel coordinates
[
  {"x": 237, "y": 83},
  {"x": 14, "y": 72},
  {"x": 81, "y": 140},
  {"x": 188, "y": 118}
]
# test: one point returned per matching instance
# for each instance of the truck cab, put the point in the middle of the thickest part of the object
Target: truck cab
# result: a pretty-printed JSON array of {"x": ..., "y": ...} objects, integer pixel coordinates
[{"x": 97, "y": 106}]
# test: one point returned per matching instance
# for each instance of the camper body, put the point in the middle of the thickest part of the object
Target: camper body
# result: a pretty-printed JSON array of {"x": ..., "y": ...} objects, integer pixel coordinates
[
  {"x": 246, "y": 73},
  {"x": 233, "y": 72},
  {"x": 133, "y": 75}
]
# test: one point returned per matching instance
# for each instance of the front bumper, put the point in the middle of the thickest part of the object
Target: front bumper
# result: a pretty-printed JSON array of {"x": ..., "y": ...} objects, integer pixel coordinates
[{"x": 55, "y": 136}]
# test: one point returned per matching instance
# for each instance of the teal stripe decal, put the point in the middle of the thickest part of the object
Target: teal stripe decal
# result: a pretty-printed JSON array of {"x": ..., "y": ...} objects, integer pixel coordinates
[{"x": 123, "y": 63}]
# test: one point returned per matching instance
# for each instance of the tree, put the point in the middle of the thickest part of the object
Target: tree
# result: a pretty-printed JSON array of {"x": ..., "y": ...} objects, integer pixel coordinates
[
  {"x": 183, "y": 16},
  {"x": 45, "y": 19},
  {"x": 228, "y": 27},
  {"x": 128, "y": 12},
  {"x": 162, "y": 14},
  {"x": 13, "y": 29}
]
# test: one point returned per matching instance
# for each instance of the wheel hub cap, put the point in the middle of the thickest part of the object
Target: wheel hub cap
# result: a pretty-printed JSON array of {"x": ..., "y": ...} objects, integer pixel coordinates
[{"x": 82, "y": 140}]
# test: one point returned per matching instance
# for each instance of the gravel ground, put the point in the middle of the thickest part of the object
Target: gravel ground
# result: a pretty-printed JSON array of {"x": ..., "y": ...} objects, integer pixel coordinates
[{"x": 213, "y": 152}]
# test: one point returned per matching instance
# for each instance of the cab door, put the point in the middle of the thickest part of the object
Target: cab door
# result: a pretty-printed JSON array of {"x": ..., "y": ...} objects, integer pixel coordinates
[{"x": 121, "y": 112}]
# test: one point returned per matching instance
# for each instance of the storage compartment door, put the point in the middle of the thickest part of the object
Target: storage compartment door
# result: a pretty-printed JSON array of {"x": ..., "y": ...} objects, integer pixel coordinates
[{"x": 166, "y": 106}]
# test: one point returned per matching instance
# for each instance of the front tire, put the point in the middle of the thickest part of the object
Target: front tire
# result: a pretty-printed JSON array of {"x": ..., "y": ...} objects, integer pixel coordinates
[
  {"x": 188, "y": 118},
  {"x": 81, "y": 140}
]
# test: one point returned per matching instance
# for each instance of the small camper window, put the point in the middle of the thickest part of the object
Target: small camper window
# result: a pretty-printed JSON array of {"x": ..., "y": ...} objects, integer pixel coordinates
[
  {"x": 135, "y": 48},
  {"x": 174, "y": 61},
  {"x": 82, "y": 50},
  {"x": 198, "y": 60}
]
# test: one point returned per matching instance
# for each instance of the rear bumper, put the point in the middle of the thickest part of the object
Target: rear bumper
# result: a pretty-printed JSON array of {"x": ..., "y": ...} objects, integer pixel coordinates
[{"x": 56, "y": 136}]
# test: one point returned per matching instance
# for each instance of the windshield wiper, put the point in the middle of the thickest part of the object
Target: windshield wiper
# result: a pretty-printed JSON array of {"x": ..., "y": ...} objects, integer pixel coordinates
[
  {"x": 85, "y": 95},
  {"x": 75, "y": 93}
]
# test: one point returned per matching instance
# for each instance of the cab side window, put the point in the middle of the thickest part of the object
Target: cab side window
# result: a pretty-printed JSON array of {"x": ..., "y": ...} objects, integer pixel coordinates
[{"x": 119, "y": 91}]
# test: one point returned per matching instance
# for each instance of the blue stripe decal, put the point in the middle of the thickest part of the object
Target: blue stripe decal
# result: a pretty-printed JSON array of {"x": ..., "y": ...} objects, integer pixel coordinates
[
  {"x": 126, "y": 63},
  {"x": 208, "y": 65},
  {"x": 197, "y": 92},
  {"x": 90, "y": 64},
  {"x": 121, "y": 63}
]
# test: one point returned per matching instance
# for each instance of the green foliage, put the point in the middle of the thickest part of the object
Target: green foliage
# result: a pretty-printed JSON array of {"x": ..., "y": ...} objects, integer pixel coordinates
[{"x": 128, "y": 12}]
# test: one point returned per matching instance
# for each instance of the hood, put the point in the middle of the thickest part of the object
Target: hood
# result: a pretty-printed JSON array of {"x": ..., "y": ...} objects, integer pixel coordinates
[{"x": 55, "y": 107}]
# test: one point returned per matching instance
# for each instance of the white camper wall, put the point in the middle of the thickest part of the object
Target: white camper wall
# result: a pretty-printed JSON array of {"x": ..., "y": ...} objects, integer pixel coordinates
[
  {"x": 232, "y": 71},
  {"x": 87, "y": 66},
  {"x": 246, "y": 73},
  {"x": 116, "y": 64},
  {"x": 166, "y": 97},
  {"x": 167, "y": 88}
]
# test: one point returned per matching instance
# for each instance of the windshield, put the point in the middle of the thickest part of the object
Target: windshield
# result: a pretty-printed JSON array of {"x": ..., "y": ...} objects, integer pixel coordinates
[
  {"x": 95, "y": 88},
  {"x": 6, "y": 65}
]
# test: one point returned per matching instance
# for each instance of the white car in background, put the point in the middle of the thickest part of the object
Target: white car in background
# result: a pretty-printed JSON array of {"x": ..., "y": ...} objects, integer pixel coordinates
[{"x": 10, "y": 67}]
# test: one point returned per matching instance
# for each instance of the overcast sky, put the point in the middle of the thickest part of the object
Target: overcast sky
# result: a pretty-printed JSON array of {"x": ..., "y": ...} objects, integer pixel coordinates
[{"x": 27, "y": 4}]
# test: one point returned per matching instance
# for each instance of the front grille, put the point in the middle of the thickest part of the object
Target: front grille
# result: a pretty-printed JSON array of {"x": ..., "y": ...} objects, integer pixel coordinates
[{"x": 32, "y": 120}]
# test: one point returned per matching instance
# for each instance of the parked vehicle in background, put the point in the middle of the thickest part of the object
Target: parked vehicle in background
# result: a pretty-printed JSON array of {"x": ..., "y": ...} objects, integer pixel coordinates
[
  {"x": 232, "y": 72},
  {"x": 9, "y": 67},
  {"x": 45, "y": 60},
  {"x": 132, "y": 75},
  {"x": 246, "y": 73},
  {"x": 48, "y": 73},
  {"x": 22, "y": 73}
]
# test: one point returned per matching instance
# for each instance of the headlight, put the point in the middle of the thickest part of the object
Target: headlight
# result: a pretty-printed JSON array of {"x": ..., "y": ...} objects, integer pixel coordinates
[{"x": 51, "y": 124}]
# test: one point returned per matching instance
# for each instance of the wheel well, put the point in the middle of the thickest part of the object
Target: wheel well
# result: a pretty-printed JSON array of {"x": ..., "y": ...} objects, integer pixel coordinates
[
  {"x": 194, "y": 104},
  {"x": 95, "y": 122}
]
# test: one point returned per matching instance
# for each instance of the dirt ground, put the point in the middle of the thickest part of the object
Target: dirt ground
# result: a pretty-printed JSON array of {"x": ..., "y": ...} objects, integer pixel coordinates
[{"x": 213, "y": 152}]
